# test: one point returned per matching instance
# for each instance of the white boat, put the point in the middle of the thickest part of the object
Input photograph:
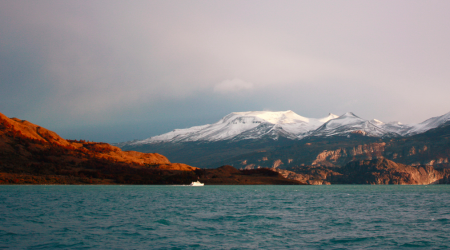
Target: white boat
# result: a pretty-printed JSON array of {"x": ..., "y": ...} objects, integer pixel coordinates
[{"x": 196, "y": 184}]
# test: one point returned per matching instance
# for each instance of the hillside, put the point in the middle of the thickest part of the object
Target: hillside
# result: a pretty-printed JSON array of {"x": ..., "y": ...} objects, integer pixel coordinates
[{"x": 32, "y": 154}]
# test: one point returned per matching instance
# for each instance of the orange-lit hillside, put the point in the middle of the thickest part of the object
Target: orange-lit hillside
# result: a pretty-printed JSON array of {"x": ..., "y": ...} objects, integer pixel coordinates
[{"x": 32, "y": 154}]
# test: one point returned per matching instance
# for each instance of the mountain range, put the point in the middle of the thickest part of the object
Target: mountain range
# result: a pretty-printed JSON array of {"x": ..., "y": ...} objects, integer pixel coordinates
[
  {"x": 255, "y": 125},
  {"x": 285, "y": 140}
]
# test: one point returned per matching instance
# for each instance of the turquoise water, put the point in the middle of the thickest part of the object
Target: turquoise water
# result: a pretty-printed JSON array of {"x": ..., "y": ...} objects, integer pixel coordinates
[{"x": 225, "y": 217}]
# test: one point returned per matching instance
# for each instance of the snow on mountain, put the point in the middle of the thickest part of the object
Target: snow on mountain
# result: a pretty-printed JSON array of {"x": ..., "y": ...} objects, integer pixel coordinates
[
  {"x": 301, "y": 129},
  {"x": 393, "y": 127},
  {"x": 413, "y": 129},
  {"x": 377, "y": 122},
  {"x": 431, "y": 123},
  {"x": 245, "y": 125},
  {"x": 266, "y": 124},
  {"x": 349, "y": 123}
]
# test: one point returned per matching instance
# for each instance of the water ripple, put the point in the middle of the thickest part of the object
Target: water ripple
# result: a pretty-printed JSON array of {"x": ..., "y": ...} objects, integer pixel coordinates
[{"x": 224, "y": 217}]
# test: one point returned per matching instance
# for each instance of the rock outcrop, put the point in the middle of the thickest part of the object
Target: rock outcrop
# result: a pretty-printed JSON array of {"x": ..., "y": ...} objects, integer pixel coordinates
[
  {"x": 383, "y": 171},
  {"x": 343, "y": 155},
  {"x": 431, "y": 148},
  {"x": 376, "y": 171}
]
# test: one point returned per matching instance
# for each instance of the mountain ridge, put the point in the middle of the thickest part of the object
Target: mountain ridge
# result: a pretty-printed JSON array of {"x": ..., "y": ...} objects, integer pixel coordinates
[
  {"x": 238, "y": 126},
  {"x": 244, "y": 125},
  {"x": 335, "y": 143}
]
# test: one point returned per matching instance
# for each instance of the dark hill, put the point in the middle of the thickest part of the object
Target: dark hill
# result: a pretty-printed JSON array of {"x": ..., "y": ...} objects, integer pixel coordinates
[{"x": 230, "y": 175}]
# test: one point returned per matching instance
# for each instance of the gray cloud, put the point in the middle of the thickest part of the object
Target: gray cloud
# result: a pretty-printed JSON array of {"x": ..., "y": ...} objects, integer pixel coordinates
[
  {"x": 234, "y": 85},
  {"x": 74, "y": 66}
]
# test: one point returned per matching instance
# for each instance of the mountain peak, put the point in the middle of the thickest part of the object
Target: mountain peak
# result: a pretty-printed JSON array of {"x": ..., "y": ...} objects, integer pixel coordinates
[
  {"x": 348, "y": 114},
  {"x": 347, "y": 124},
  {"x": 245, "y": 125},
  {"x": 274, "y": 117},
  {"x": 329, "y": 117}
]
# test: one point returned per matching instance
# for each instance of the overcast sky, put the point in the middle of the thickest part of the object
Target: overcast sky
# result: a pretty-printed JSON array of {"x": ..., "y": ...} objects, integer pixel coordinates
[{"x": 120, "y": 70}]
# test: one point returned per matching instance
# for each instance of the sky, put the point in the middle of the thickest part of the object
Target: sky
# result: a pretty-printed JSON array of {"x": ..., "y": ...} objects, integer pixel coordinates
[{"x": 114, "y": 71}]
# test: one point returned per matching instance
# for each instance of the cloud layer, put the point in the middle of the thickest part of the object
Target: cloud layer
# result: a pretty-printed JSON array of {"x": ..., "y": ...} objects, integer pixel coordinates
[
  {"x": 232, "y": 86},
  {"x": 150, "y": 66}
]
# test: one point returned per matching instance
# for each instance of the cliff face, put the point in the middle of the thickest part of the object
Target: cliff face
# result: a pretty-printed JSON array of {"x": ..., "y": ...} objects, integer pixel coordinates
[
  {"x": 376, "y": 171},
  {"x": 412, "y": 153},
  {"x": 431, "y": 148},
  {"x": 28, "y": 152},
  {"x": 383, "y": 171},
  {"x": 342, "y": 156},
  {"x": 311, "y": 178}
]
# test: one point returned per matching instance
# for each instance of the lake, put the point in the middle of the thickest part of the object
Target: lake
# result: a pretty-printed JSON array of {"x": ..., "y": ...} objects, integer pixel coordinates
[{"x": 225, "y": 217}]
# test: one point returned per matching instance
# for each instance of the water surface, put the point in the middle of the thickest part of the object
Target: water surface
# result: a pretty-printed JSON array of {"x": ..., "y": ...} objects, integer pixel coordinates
[{"x": 225, "y": 217}]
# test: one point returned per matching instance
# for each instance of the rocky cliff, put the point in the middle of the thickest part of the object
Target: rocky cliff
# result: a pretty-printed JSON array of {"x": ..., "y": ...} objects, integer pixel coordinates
[
  {"x": 376, "y": 171},
  {"x": 431, "y": 148},
  {"x": 383, "y": 171}
]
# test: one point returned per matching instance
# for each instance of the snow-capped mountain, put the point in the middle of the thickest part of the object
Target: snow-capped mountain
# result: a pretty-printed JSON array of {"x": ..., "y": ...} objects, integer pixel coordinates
[
  {"x": 349, "y": 123},
  {"x": 431, "y": 123},
  {"x": 268, "y": 139},
  {"x": 245, "y": 125},
  {"x": 393, "y": 127},
  {"x": 267, "y": 124}
]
